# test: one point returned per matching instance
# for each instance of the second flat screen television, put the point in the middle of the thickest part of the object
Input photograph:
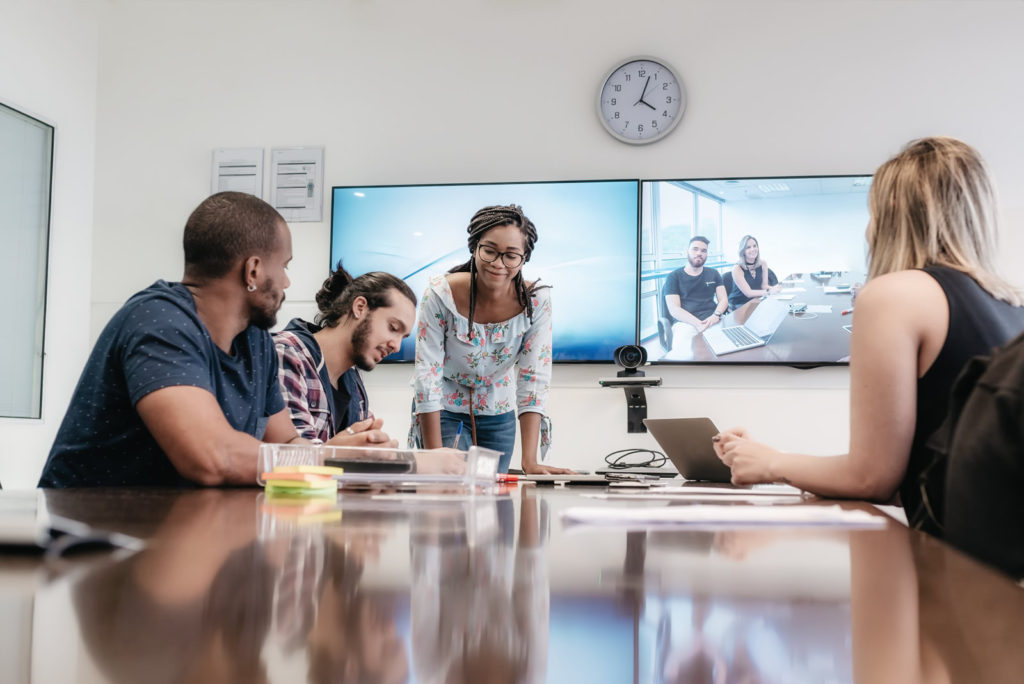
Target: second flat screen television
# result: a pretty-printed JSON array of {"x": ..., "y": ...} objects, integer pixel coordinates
[
  {"x": 586, "y": 248},
  {"x": 810, "y": 233}
]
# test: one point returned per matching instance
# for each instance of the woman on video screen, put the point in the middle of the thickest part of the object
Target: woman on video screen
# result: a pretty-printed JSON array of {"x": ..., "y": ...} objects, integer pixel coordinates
[
  {"x": 483, "y": 346},
  {"x": 932, "y": 301},
  {"x": 750, "y": 276}
]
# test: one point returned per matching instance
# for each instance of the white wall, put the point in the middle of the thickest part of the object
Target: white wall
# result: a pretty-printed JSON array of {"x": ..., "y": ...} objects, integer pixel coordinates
[
  {"x": 493, "y": 90},
  {"x": 49, "y": 55}
]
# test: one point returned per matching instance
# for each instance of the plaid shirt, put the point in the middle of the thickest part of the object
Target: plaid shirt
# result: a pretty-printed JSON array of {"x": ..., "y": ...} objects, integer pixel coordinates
[{"x": 304, "y": 393}]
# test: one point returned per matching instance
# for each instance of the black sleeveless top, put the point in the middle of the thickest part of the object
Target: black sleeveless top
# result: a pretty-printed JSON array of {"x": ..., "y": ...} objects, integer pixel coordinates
[
  {"x": 754, "y": 281},
  {"x": 978, "y": 323}
]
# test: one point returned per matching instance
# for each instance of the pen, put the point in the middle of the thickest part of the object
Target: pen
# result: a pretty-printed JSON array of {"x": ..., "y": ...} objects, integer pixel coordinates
[
  {"x": 509, "y": 479},
  {"x": 847, "y": 311},
  {"x": 458, "y": 433}
]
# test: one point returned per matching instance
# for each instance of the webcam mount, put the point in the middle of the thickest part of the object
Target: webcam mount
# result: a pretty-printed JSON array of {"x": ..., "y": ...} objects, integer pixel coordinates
[{"x": 630, "y": 357}]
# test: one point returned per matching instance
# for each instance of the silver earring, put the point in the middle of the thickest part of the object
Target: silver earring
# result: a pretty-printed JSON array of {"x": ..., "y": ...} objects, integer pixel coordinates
[{"x": 251, "y": 287}]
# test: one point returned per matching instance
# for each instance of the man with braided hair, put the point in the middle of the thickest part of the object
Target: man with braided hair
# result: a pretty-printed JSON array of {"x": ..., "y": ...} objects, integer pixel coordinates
[{"x": 483, "y": 345}]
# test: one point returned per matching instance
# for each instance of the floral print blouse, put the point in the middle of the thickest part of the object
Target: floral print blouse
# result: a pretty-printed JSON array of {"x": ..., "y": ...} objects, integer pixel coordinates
[{"x": 508, "y": 364}]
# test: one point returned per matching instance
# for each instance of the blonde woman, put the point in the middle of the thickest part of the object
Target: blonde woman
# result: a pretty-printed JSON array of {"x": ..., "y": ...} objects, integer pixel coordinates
[
  {"x": 932, "y": 301},
  {"x": 750, "y": 276}
]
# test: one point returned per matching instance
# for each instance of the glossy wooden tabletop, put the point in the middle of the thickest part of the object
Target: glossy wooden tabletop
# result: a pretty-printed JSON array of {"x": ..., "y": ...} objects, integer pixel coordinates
[{"x": 400, "y": 587}]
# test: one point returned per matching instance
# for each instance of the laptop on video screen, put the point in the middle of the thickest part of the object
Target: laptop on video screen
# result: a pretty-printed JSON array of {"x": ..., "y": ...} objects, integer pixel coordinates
[{"x": 756, "y": 332}]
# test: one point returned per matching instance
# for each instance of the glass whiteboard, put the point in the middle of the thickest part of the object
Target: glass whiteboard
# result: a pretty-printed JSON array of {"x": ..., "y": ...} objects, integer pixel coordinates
[{"x": 26, "y": 159}]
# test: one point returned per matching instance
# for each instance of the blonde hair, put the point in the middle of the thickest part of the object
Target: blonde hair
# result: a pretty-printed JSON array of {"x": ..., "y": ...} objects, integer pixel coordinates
[
  {"x": 742, "y": 263},
  {"x": 933, "y": 204}
]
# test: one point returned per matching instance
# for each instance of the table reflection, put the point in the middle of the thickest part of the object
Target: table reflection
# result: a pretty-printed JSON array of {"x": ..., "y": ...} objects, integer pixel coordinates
[
  {"x": 193, "y": 606},
  {"x": 480, "y": 612},
  {"x": 444, "y": 587}
]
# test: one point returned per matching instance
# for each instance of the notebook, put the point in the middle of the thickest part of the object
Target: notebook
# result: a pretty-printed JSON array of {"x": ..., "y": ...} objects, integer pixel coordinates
[
  {"x": 687, "y": 443},
  {"x": 756, "y": 332}
]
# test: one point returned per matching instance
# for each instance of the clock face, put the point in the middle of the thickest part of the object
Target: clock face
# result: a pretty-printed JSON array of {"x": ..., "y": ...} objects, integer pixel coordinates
[{"x": 641, "y": 101}]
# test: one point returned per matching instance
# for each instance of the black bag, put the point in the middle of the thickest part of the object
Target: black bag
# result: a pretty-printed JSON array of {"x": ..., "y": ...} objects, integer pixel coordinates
[{"x": 973, "y": 489}]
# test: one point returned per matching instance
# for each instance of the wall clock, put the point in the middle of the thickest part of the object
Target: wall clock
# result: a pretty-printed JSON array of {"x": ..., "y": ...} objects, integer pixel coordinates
[{"x": 641, "y": 100}]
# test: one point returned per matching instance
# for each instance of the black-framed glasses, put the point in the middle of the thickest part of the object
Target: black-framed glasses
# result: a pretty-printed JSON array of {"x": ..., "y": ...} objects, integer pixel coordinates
[{"x": 510, "y": 259}]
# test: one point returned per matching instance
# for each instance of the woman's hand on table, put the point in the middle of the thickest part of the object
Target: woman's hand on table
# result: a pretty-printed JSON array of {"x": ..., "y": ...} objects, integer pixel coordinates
[{"x": 539, "y": 469}]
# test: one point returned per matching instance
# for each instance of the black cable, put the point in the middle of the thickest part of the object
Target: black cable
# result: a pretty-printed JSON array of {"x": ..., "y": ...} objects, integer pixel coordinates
[{"x": 618, "y": 459}]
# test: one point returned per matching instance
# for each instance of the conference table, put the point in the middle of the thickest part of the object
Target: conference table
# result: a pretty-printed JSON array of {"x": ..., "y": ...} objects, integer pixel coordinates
[
  {"x": 234, "y": 585},
  {"x": 819, "y": 334}
]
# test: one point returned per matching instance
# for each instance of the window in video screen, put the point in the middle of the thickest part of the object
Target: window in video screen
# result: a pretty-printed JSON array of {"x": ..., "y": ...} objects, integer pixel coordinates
[
  {"x": 586, "y": 248},
  {"x": 810, "y": 232}
]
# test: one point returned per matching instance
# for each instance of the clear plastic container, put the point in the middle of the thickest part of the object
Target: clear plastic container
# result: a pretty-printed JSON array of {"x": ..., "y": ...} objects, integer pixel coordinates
[{"x": 365, "y": 465}]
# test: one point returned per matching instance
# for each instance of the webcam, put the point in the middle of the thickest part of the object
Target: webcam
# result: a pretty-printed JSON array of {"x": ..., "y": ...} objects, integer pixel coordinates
[
  {"x": 630, "y": 357},
  {"x": 633, "y": 381}
]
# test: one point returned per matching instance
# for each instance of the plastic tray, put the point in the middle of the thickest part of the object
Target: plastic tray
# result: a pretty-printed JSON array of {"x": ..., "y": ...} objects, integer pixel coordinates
[{"x": 481, "y": 464}]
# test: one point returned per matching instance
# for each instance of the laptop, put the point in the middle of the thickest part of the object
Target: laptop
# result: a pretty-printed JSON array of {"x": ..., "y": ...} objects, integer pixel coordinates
[
  {"x": 687, "y": 443},
  {"x": 756, "y": 332}
]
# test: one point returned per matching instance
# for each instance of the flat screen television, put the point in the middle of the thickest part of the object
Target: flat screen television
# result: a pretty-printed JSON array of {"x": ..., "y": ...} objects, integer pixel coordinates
[
  {"x": 810, "y": 232},
  {"x": 586, "y": 248}
]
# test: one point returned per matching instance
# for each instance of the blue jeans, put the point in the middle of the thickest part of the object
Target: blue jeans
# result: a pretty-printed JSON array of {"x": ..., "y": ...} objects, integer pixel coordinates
[{"x": 492, "y": 432}]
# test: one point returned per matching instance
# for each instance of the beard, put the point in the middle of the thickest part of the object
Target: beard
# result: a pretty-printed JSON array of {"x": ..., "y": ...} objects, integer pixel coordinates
[
  {"x": 700, "y": 261},
  {"x": 361, "y": 344},
  {"x": 264, "y": 315}
]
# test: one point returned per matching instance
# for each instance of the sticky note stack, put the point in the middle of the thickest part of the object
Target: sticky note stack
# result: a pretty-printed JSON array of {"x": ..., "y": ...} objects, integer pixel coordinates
[
  {"x": 302, "y": 509},
  {"x": 302, "y": 480}
]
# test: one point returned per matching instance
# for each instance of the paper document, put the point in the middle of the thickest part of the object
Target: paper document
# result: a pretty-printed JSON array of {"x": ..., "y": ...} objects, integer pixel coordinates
[
  {"x": 784, "y": 297},
  {"x": 700, "y": 515},
  {"x": 731, "y": 497},
  {"x": 819, "y": 308},
  {"x": 793, "y": 289},
  {"x": 759, "y": 490}
]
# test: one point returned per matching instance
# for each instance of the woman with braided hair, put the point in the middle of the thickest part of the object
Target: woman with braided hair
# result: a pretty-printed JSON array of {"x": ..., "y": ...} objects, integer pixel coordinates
[{"x": 483, "y": 345}]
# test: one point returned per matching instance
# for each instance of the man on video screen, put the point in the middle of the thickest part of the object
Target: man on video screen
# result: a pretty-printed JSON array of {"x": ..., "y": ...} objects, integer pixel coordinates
[{"x": 695, "y": 295}]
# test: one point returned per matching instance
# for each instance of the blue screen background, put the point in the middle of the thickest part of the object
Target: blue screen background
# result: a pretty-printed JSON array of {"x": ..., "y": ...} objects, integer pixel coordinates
[{"x": 586, "y": 248}]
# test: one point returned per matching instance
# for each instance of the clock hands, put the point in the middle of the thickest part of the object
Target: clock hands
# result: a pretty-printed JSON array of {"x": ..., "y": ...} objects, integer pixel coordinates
[{"x": 644, "y": 92}]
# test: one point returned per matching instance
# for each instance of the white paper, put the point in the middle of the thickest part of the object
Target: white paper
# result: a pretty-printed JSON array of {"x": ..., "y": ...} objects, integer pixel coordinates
[
  {"x": 238, "y": 169},
  {"x": 759, "y": 490},
  {"x": 654, "y": 495},
  {"x": 296, "y": 182},
  {"x": 783, "y": 297},
  {"x": 786, "y": 290},
  {"x": 700, "y": 515},
  {"x": 819, "y": 308}
]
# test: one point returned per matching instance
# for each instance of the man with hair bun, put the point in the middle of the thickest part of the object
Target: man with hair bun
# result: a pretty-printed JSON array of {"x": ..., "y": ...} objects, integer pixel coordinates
[
  {"x": 181, "y": 387},
  {"x": 360, "y": 321}
]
